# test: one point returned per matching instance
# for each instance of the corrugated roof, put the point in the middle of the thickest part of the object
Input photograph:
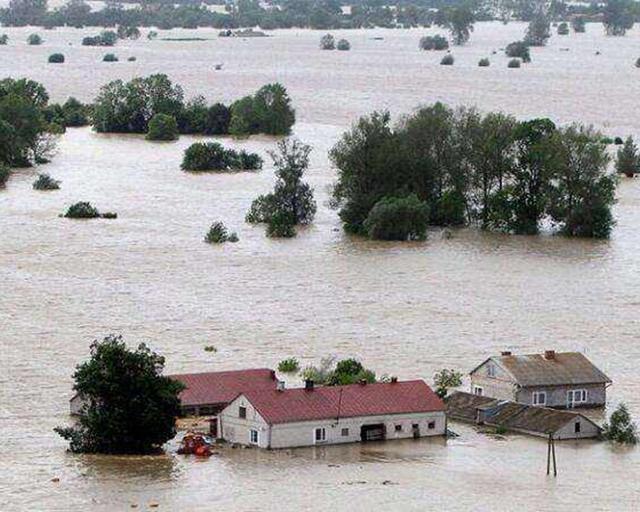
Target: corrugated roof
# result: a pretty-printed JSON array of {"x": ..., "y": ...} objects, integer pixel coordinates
[
  {"x": 511, "y": 415},
  {"x": 212, "y": 388},
  {"x": 293, "y": 405},
  {"x": 464, "y": 406},
  {"x": 565, "y": 368}
]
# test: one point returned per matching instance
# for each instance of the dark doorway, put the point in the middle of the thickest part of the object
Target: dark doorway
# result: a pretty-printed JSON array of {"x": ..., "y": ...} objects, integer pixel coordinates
[
  {"x": 213, "y": 427},
  {"x": 373, "y": 432}
]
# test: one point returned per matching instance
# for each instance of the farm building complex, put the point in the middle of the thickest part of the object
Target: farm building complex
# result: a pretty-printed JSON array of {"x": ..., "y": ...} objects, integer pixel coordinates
[{"x": 552, "y": 379}]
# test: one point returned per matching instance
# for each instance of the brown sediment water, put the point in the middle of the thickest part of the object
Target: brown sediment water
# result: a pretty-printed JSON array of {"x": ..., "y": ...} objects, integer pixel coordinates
[{"x": 404, "y": 309}]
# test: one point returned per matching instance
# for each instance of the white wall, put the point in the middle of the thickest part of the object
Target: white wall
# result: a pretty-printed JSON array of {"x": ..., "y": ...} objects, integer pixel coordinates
[
  {"x": 234, "y": 429},
  {"x": 291, "y": 435}
]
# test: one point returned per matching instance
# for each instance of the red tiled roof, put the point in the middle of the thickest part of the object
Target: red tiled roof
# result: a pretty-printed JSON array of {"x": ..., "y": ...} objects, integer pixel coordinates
[
  {"x": 292, "y": 405},
  {"x": 222, "y": 387}
]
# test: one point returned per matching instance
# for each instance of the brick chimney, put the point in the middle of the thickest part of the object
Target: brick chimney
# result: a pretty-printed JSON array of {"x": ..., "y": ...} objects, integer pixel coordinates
[
  {"x": 505, "y": 353},
  {"x": 549, "y": 355}
]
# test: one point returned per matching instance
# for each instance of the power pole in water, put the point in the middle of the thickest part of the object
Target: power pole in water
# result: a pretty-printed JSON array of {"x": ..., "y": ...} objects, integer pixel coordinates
[{"x": 551, "y": 454}]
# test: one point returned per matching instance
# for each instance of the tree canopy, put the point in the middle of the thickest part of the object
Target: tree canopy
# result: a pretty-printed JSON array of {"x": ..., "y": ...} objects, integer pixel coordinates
[
  {"x": 466, "y": 168},
  {"x": 291, "y": 202},
  {"x": 130, "y": 406}
]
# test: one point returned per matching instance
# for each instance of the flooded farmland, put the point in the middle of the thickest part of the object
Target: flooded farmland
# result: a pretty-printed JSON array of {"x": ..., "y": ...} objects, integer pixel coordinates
[{"x": 406, "y": 309}]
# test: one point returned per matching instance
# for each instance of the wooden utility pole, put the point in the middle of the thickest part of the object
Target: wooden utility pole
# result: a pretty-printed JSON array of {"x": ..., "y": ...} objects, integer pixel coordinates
[{"x": 551, "y": 454}]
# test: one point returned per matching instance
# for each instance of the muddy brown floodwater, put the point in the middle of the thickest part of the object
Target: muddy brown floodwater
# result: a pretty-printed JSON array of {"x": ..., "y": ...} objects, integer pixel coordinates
[{"x": 406, "y": 309}]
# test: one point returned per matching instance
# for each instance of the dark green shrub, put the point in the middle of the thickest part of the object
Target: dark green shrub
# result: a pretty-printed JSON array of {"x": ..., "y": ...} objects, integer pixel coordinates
[
  {"x": 75, "y": 113},
  {"x": 218, "y": 119},
  {"x": 131, "y": 59},
  {"x": 628, "y": 159},
  {"x": 563, "y": 29},
  {"x": 280, "y": 225},
  {"x": 212, "y": 156},
  {"x": 514, "y": 63},
  {"x": 290, "y": 365},
  {"x": 105, "y": 38},
  {"x": 344, "y": 45},
  {"x": 152, "y": 35},
  {"x": 4, "y": 39},
  {"x": 110, "y": 57},
  {"x": 483, "y": 63},
  {"x": 46, "y": 182},
  {"x": 328, "y": 42},
  {"x": 398, "y": 218},
  {"x": 518, "y": 49},
  {"x": 620, "y": 428},
  {"x": 447, "y": 60},
  {"x": 436, "y": 42},
  {"x": 34, "y": 40},
  {"x": 618, "y": 141},
  {"x": 162, "y": 127},
  {"x": 218, "y": 234},
  {"x": 56, "y": 58},
  {"x": 5, "y": 172},
  {"x": 82, "y": 210}
]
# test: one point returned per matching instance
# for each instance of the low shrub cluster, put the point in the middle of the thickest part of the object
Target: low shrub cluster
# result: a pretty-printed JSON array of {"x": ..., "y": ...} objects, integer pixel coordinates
[
  {"x": 212, "y": 156},
  {"x": 45, "y": 182},
  {"x": 218, "y": 234},
  {"x": 56, "y": 58},
  {"x": 105, "y": 38},
  {"x": 436, "y": 42}
]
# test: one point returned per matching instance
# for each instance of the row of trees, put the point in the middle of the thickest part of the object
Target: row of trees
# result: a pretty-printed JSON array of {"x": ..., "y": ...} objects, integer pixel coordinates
[
  {"x": 457, "y": 15},
  {"x": 444, "y": 166},
  {"x": 128, "y": 107}
]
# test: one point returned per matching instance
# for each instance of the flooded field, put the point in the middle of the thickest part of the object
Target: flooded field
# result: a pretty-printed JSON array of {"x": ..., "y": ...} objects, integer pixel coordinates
[{"x": 405, "y": 309}]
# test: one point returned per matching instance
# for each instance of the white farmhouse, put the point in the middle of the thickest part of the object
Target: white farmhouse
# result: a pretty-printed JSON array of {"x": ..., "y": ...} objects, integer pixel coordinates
[{"x": 287, "y": 418}]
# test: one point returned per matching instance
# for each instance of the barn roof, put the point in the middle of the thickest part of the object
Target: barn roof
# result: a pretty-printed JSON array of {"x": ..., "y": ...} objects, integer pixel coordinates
[
  {"x": 561, "y": 368},
  {"x": 211, "y": 388},
  {"x": 326, "y": 402}
]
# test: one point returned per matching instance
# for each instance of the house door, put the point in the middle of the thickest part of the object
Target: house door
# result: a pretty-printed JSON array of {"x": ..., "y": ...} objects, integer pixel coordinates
[
  {"x": 375, "y": 432},
  {"x": 213, "y": 427}
]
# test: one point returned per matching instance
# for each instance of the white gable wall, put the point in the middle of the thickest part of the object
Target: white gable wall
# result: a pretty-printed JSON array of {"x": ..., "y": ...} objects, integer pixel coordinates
[{"x": 234, "y": 429}]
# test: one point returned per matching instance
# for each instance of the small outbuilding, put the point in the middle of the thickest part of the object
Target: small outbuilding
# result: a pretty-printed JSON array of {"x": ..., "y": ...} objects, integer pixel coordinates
[
  {"x": 288, "y": 418},
  {"x": 552, "y": 379},
  {"x": 515, "y": 417}
]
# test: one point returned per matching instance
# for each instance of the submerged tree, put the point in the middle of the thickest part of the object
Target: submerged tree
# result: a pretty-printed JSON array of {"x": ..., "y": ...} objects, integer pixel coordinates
[
  {"x": 617, "y": 17},
  {"x": 628, "y": 159},
  {"x": 130, "y": 407},
  {"x": 518, "y": 50},
  {"x": 398, "y": 218},
  {"x": 620, "y": 428},
  {"x": 327, "y": 42},
  {"x": 446, "y": 379},
  {"x": 459, "y": 21},
  {"x": 539, "y": 30},
  {"x": 291, "y": 202}
]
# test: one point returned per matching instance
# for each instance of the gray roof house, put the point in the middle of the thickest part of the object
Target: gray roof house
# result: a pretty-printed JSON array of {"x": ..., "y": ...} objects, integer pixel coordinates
[
  {"x": 521, "y": 418},
  {"x": 552, "y": 379}
]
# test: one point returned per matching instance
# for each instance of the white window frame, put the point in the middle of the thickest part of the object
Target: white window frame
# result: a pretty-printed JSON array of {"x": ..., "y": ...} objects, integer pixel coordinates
[
  {"x": 323, "y": 436},
  {"x": 257, "y": 436},
  {"x": 478, "y": 390},
  {"x": 581, "y": 394},
  {"x": 491, "y": 370},
  {"x": 536, "y": 398}
]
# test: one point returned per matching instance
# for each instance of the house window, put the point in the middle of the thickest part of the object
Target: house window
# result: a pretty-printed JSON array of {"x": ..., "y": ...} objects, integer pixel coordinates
[
  {"x": 345, "y": 432},
  {"x": 491, "y": 370},
  {"x": 320, "y": 435},
  {"x": 253, "y": 436},
  {"x": 576, "y": 427},
  {"x": 576, "y": 396},
  {"x": 431, "y": 425},
  {"x": 242, "y": 411},
  {"x": 398, "y": 428},
  {"x": 477, "y": 390},
  {"x": 539, "y": 398}
]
